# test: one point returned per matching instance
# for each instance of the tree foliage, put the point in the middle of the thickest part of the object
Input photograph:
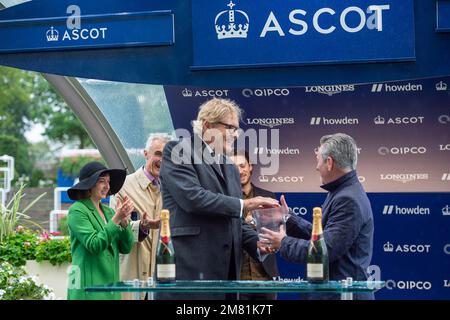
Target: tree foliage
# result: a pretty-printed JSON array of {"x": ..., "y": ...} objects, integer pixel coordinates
[{"x": 26, "y": 98}]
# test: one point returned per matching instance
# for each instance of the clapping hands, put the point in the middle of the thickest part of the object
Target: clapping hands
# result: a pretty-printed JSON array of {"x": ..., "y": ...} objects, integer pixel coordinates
[{"x": 123, "y": 212}]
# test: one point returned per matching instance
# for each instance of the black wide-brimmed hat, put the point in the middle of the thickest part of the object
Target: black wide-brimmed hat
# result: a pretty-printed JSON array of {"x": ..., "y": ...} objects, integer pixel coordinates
[{"x": 89, "y": 175}]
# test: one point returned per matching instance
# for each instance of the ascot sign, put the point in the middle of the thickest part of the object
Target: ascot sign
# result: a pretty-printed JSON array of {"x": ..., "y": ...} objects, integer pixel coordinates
[
  {"x": 374, "y": 21},
  {"x": 76, "y": 28},
  {"x": 278, "y": 32}
]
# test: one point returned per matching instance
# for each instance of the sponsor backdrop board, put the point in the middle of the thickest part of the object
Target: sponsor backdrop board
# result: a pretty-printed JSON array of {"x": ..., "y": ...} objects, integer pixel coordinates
[{"x": 403, "y": 133}]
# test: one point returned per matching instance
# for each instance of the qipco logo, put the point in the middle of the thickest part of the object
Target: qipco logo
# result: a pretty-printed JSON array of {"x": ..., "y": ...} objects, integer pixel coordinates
[
  {"x": 384, "y": 151},
  {"x": 447, "y": 248},
  {"x": 408, "y": 285},
  {"x": 298, "y": 211},
  {"x": 278, "y": 92}
]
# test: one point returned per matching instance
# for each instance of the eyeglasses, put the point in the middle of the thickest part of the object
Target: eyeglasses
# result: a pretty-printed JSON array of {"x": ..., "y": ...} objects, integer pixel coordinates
[{"x": 227, "y": 126}]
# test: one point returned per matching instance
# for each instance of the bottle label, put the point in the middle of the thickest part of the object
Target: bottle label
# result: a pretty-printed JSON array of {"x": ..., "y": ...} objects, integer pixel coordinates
[
  {"x": 165, "y": 271},
  {"x": 314, "y": 270}
]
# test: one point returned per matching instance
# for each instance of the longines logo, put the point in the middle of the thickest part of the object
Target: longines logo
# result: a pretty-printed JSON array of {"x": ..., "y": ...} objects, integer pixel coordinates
[
  {"x": 278, "y": 92},
  {"x": 384, "y": 151},
  {"x": 281, "y": 179},
  {"x": 384, "y": 87},
  {"x": 284, "y": 151},
  {"x": 441, "y": 86},
  {"x": 444, "y": 147},
  {"x": 446, "y": 211},
  {"x": 231, "y": 23},
  {"x": 316, "y": 121},
  {"x": 379, "y": 120},
  {"x": 330, "y": 90},
  {"x": 446, "y": 284},
  {"x": 389, "y": 209},
  {"x": 362, "y": 179},
  {"x": 408, "y": 285},
  {"x": 270, "y": 122},
  {"x": 406, "y": 248},
  {"x": 404, "y": 177},
  {"x": 445, "y": 177},
  {"x": 74, "y": 30},
  {"x": 444, "y": 119},
  {"x": 204, "y": 93}
]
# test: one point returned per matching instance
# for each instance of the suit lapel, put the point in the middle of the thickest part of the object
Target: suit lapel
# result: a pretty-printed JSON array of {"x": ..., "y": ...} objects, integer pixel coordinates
[{"x": 204, "y": 156}]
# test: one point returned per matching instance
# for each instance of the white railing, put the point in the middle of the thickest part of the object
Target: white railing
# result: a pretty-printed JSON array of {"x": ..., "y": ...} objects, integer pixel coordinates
[
  {"x": 57, "y": 213},
  {"x": 7, "y": 175}
]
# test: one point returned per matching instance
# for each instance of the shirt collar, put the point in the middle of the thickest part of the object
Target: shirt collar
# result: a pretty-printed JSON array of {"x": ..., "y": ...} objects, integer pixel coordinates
[
  {"x": 346, "y": 179},
  {"x": 211, "y": 150},
  {"x": 153, "y": 180}
]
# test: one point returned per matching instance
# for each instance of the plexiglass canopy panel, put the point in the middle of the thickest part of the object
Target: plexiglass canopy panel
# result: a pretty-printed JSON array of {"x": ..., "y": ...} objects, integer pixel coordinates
[{"x": 143, "y": 106}]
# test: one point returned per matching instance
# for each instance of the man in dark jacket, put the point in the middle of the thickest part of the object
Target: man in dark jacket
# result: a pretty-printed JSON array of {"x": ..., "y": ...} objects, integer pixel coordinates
[
  {"x": 252, "y": 269},
  {"x": 201, "y": 189},
  {"x": 347, "y": 216}
]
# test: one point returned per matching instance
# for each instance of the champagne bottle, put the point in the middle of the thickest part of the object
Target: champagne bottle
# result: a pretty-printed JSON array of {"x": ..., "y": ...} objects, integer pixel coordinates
[
  {"x": 317, "y": 260},
  {"x": 165, "y": 254}
]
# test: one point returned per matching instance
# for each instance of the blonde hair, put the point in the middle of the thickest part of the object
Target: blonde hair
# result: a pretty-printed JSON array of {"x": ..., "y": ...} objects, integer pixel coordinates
[{"x": 213, "y": 111}]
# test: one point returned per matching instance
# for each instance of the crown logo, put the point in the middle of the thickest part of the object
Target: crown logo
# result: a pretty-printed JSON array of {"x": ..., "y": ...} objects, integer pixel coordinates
[
  {"x": 446, "y": 211},
  {"x": 388, "y": 247},
  {"x": 379, "y": 120},
  {"x": 52, "y": 34},
  {"x": 263, "y": 179},
  {"x": 231, "y": 23},
  {"x": 441, "y": 86},
  {"x": 186, "y": 92}
]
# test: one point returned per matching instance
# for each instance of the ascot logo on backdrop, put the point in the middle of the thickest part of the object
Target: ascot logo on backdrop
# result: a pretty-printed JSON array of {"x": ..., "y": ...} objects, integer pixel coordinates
[
  {"x": 281, "y": 179},
  {"x": 316, "y": 121},
  {"x": 270, "y": 122},
  {"x": 406, "y": 248},
  {"x": 358, "y": 151},
  {"x": 379, "y": 120},
  {"x": 441, "y": 86},
  {"x": 404, "y": 177},
  {"x": 204, "y": 93},
  {"x": 446, "y": 211},
  {"x": 384, "y": 87},
  {"x": 74, "y": 30},
  {"x": 384, "y": 151},
  {"x": 394, "y": 209},
  {"x": 330, "y": 90}
]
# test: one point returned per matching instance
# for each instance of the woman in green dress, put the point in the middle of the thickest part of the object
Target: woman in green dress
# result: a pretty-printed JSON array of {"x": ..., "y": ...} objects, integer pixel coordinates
[{"x": 97, "y": 233}]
